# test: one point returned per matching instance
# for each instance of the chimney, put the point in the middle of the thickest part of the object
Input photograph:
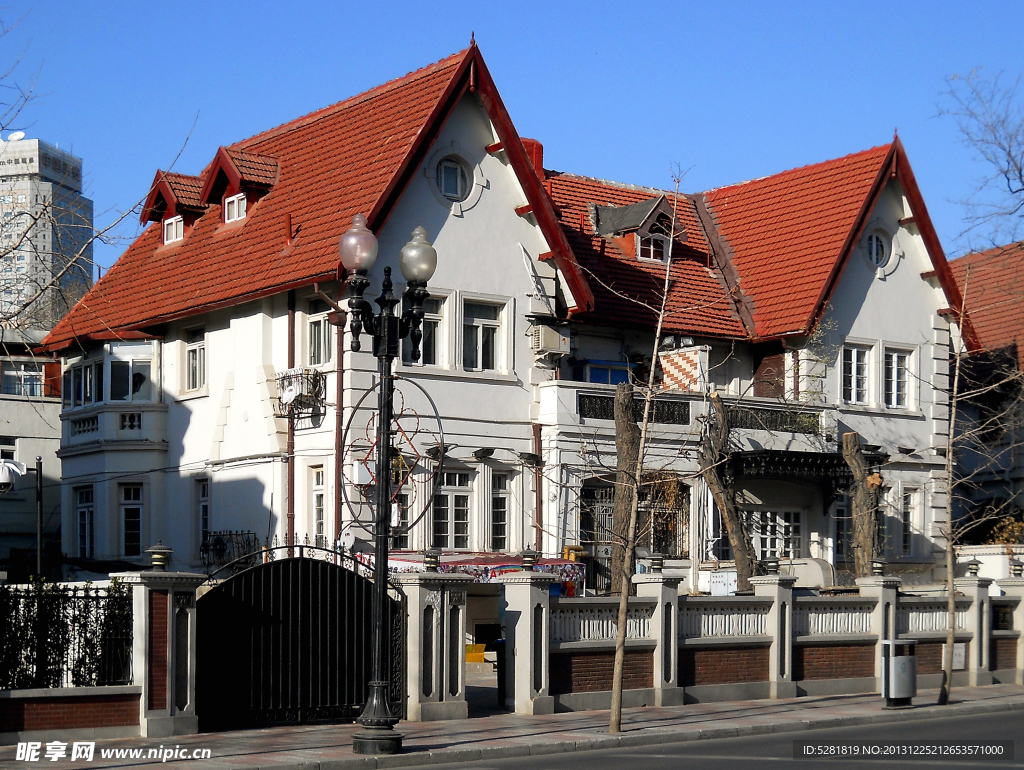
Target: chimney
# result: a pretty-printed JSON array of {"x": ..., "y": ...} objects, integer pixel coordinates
[{"x": 535, "y": 152}]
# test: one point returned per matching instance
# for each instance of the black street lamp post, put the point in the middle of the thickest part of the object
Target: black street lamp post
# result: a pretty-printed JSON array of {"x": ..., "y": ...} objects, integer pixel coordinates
[{"x": 358, "y": 250}]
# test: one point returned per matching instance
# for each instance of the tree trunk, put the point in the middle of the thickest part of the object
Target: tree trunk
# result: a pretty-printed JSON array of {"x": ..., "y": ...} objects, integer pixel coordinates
[
  {"x": 713, "y": 452},
  {"x": 863, "y": 503},
  {"x": 627, "y": 454}
]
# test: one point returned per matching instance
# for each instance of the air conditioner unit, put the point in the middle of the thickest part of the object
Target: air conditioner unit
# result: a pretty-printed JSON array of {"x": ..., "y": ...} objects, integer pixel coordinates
[{"x": 547, "y": 341}]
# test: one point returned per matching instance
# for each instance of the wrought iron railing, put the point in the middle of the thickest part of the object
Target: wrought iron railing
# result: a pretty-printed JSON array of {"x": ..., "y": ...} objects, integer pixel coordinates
[
  {"x": 778, "y": 419},
  {"x": 665, "y": 411},
  {"x": 56, "y": 635}
]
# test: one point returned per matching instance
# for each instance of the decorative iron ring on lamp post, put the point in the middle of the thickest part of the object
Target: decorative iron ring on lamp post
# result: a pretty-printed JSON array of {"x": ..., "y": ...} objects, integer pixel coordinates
[{"x": 358, "y": 252}]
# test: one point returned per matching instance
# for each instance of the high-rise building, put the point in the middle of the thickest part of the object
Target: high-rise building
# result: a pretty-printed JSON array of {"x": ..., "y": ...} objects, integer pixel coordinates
[{"x": 45, "y": 233}]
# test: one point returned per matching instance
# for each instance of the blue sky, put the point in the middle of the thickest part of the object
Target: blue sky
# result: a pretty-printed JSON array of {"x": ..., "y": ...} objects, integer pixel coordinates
[{"x": 620, "y": 91}]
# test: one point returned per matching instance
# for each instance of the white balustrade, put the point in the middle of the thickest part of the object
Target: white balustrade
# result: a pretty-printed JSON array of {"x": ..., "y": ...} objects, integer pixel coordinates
[
  {"x": 928, "y": 618},
  {"x": 826, "y": 619},
  {"x": 597, "y": 623},
  {"x": 698, "y": 621}
]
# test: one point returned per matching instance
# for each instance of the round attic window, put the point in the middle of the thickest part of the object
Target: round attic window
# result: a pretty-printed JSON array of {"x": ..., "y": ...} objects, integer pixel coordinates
[
  {"x": 453, "y": 178},
  {"x": 877, "y": 247}
]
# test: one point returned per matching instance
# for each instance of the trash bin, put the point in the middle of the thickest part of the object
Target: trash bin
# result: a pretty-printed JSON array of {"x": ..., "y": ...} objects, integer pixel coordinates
[{"x": 899, "y": 673}]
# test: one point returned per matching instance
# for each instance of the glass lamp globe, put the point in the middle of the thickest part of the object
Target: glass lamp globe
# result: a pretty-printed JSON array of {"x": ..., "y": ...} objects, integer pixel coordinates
[
  {"x": 358, "y": 246},
  {"x": 419, "y": 258}
]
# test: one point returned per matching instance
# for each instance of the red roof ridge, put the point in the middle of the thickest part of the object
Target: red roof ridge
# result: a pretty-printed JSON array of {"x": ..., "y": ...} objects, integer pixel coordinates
[
  {"x": 359, "y": 98},
  {"x": 610, "y": 183},
  {"x": 807, "y": 167}
]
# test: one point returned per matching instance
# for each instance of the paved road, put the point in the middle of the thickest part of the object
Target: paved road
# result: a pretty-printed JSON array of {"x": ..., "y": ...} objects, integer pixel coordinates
[{"x": 776, "y": 751}]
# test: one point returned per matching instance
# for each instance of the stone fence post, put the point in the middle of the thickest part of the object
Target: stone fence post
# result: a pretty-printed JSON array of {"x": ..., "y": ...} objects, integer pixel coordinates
[
  {"x": 436, "y": 650},
  {"x": 979, "y": 624},
  {"x": 1014, "y": 587},
  {"x": 164, "y": 648},
  {"x": 528, "y": 641},
  {"x": 885, "y": 590},
  {"x": 780, "y": 626},
  {"x": 664, "y": 629}
]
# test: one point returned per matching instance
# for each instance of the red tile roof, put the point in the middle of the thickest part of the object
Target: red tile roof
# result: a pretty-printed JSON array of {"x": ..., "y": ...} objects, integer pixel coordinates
[
  {"x": 324, "y": 180},
  {"x": 994, "y": 295},
  {"x": 787, "y": 234},
  {"x": 625, "y": 288},
  {"x": 254, "y": 168}
]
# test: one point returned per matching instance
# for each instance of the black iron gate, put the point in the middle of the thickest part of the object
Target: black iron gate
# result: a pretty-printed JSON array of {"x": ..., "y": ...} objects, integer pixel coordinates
[{"x": 288, "y": 641}]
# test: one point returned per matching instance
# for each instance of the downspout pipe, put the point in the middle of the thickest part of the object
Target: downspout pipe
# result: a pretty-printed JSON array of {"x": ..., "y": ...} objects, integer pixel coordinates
[
  {"x": 538, "y": 517},
  {"x": 290, "y": 459}
]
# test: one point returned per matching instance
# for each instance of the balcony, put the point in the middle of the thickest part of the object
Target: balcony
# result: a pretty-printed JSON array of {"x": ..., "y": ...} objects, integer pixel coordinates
[{"x": 102, "y": 425}]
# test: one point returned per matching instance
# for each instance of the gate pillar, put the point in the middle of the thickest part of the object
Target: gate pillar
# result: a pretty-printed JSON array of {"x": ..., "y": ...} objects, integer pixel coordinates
[
  {"x": 436, "y": 649},
  {"x": 164, "y": 647},
  {"x": 528, "y": 641}
]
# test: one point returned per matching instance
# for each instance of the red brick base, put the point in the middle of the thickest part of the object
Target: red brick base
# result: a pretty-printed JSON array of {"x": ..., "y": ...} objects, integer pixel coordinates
[
  {"x": 929, "y": 657},
  {"x": 837, "y": 661},
  {"x": 1002, "y": 653},
  {"x": 24, "y": 714},
  {"x": 722, "y": 665},
  {"x": 592, "y": 671}
]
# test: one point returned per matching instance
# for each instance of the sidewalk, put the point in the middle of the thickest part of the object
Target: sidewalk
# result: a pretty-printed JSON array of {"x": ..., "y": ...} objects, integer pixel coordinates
[{"x": 329, "y": 747}]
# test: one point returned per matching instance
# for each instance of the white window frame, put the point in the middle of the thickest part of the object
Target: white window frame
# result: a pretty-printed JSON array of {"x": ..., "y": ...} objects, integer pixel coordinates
[
  {"x": 455, "y": 514},
  {"x": 500, "y": 327},
  {"x": 499, "y": 504},
  {"x": 464, "y": 178},
  {"x": 909, "y": 504},
  {"x": 196, "y": 370},
  {"x": 85, "y": 514},
  {"x": 437, "y": 320},
  {"x": 235, "y": 208},
  {"x": 21, "y": 377},
  {"x": 319, "y": 338},
  {"x": 174, "y": 230},
  {"x": 890, "y": 361},
  {"x": 842, "y": 544},
  {"x": 318, "y": 505},
  {"x": 859, "y": 393},
  {"x": 400, "y": 518},
  {"x": 776, "y": 533},
  {"x": 130, "y": 498},
  {"x": 203, "y": 508},
  {"x": 650, "y": 239}
]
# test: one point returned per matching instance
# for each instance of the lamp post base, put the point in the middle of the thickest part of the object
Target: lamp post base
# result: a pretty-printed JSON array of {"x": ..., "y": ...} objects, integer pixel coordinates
[{"x": 377, "y": 740}]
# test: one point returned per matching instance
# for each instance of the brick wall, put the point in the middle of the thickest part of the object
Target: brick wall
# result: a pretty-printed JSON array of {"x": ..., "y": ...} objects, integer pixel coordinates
[
  {"x": 157, "y": 649},
  {"x": 836, "y": 661},
  {"x": 592, "y": 671},
  {"x": 929, "y": 657},
  {"x": 1002, "y": 653},
  {"x": 17, "y": 715},
  {"x": 722, "y": 665}
]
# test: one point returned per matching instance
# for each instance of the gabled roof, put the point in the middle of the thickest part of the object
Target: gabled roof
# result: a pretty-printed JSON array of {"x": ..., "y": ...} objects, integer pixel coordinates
[
  {"x": 994, "y": 296},
  {"x": 352, "y": 157},
  {"x": 611, "y": 220},
  {"x": 172, "y": 193}
]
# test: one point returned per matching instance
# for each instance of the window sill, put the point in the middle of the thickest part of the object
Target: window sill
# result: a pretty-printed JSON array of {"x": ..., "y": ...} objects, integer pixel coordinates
[
  {"x": 436, "y": 372},
  {"x": 189, "y": 395},
  {"x": 879, "y": 411}
]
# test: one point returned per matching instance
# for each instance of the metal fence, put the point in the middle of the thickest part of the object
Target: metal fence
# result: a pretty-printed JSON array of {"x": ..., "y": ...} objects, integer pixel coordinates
[{"x": 59, "y": 635}]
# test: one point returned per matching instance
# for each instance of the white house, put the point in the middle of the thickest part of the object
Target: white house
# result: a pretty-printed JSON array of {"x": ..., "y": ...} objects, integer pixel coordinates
[{"x": 208, "y": 394}]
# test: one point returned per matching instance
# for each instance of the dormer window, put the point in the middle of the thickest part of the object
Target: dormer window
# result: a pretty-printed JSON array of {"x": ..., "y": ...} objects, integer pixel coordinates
[
  {"x": 234, "y": 208},
  {"x": 174, "y": 229},
  {"x": 652, "y": 247}
]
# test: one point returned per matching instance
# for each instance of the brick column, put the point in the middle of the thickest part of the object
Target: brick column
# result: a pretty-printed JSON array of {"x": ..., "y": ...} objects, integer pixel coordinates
[
  {"x": 164, "y": 650},
  {"x": 979, "y": 623},
  {"x": 883, "y": 619},
  {"x": 780, "y": 626},
  {"x": 665, "y": 628},
  {"x": 1014, "y": 586},
  {"x": 528, "y": 641},
  {"x": 436, "y": 651}
]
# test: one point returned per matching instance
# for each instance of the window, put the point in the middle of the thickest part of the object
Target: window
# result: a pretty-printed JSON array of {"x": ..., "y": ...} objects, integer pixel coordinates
[
  {"x": 452, "y": 179},
  {"x": 234, "y": 208},
  {"x": 21, "y": 378},
  {"x": 844, "y": 530},
  {"x": 203, "y": 508},
  {"x": 855, "y": 375},
  {"x": 451, "y": 511},
  {"x": 400, "y": 519},
  {"x": 319, "y": 333},
  {"x": 174, "y": 229},
  {"x": 603, "y": 372},
  {"x": 195, "y": 359},
  {"x": 131, "y": 518},
  {"x": 131, "y": 380},
  {"x": 480, "y": 339},
  {"x": 84, "y": 514},
  {"x": 8, "y": 444},
  {"x": 907, "y": 507},
  {"x": 83, "y": 384},
  {"x": 776, "y": 534},
  {"x": 896, "y": 379},
  {"x": 499, "y": 512},
  {"x": 876, "y": 245},
  {"x": 430, "y": 345},
  {"x": 317, "y": 483},
  {"x": 653, "y": 247}
]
